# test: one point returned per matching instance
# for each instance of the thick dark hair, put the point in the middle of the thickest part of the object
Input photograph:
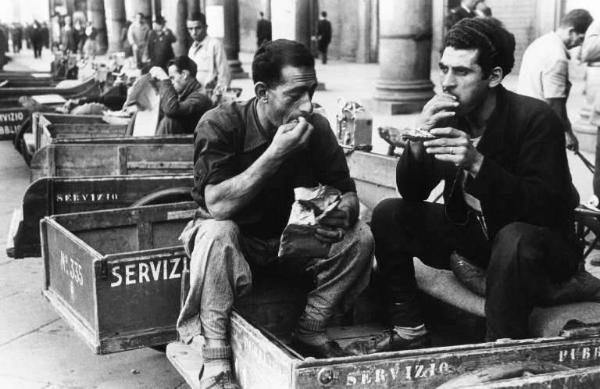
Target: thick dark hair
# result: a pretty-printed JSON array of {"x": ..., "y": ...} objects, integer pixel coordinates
[
  {"x": 324, "y": 14},
  {"x": 494, "y": 44},
  {"x": 579, "y": 19},
  {"x": 273, "y": 56},
  {"x": 198, "y": 17},
  {"x": 184, "y": 63}
]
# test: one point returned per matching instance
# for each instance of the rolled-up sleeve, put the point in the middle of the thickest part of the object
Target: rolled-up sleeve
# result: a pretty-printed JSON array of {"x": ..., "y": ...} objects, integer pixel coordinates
[
  {"x": 214, "y": 157},
  {"x": 555, "y": 80}
]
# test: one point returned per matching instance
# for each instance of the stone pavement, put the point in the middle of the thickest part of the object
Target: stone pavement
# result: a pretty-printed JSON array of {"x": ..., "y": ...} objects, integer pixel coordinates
[{"x": 39, "y": 350}]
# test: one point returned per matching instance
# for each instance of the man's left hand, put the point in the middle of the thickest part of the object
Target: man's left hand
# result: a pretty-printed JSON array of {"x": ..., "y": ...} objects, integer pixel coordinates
[
  {"x": 572, "y": 141},
  {"x": 454, "y": 146},
  {"x": 333, "y": 226},
  {"x": 158, "y": 73}
]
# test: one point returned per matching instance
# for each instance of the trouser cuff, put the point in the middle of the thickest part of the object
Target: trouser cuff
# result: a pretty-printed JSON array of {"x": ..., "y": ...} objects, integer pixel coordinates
[
  {"x": 211, "y": 353},
  {"x": 312, "y": 325}
]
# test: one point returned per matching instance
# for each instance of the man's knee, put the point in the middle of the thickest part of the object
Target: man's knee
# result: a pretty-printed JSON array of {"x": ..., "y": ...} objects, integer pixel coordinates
[
  {"x": 383, "y": 214},
  {"x": 363, "y": 239},
  {"x": 516, "y": 243},
  {"x": 220, "y": 230}
]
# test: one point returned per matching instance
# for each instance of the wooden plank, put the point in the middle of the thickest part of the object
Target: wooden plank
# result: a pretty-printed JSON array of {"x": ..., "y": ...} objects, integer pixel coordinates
[
  {"x": 187, "y": 361},
  {"x": 161, "y": 165},
  {"x": 95, "y": 159},
  {"x": 122, "y": 157},
  {"x": 583, "y": 378},
  {"x": 73, "y": 319}
]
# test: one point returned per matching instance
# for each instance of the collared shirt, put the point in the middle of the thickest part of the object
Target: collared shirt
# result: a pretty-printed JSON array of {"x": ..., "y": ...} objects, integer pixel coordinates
[
  {"x": 230, "y": 138},
  {"x": 138, "y": 34},
  {"x": 213, "y": 69},
  {"x": 544, "y": 70}
]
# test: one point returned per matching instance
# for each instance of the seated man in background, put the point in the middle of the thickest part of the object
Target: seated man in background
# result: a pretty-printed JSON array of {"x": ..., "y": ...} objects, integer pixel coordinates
[
  {"x": 248, "y": 159},
  {"x": 182, "y": 102},
  {"x": 508, "y": 196}
]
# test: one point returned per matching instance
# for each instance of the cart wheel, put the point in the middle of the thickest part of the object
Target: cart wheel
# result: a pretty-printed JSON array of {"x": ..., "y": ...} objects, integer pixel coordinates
[
  {"x": 171, "y": 195},
  {"x": 587, "y": 228},
  {"x": 501, "y": 372}
]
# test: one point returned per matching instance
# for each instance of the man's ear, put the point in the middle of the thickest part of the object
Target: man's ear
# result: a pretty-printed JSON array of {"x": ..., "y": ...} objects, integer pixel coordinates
[
  {"x": 186, "y": 73},
  {"x": 496, "y": 76},
  {"x": 260, "y": 90}
]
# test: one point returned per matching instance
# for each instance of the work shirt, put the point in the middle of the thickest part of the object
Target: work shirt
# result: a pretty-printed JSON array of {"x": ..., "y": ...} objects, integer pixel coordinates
[
  {"x": 544, "y": 70},
  {"x": 230, "y": 138},
  {"x": 213, "y": 69}
]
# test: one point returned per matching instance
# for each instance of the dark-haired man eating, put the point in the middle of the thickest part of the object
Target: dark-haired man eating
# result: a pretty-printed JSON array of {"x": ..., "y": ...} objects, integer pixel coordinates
[
  {"x": 248, "y": 159},
  {"x": 508, "y": 196}
]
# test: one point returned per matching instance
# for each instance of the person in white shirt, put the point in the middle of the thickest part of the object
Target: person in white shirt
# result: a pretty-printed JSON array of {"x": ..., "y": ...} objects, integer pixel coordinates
[
  {"x": 544, "y": 72},
  {"x": 209, "y": 55}
]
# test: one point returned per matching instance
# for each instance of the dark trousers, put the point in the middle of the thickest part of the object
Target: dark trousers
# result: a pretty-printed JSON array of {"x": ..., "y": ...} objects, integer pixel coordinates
[
  {"x": 524, "y": 262},
  {"x": 323, "y": 50}
]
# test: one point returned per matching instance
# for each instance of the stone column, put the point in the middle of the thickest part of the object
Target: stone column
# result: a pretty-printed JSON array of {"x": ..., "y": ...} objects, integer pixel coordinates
[
  {"x": 404, "y": 83},
  {"x": 115, "y": 22},
  {"x": 266, "y": 8},
  {"x": 133, "y": 7},
  {"x": 222, "y": 17},
  {"x": 193, "y": 6},
  {"x": 156, "y": 6},
  {"x": 96, "y": 16}
]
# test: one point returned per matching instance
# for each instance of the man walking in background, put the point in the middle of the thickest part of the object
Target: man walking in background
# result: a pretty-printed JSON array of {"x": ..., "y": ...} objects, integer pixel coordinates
[
  {"x": 160, "y": 41},
  {"x": 263, "y": 30},
  {"x": 137, "y": 35},
  {"x": 324, "y": 36},
  {"x": 544, "y": 72}
]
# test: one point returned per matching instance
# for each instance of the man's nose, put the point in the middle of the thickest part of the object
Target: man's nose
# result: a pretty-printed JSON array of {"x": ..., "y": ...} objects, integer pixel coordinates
[
  {"x": 448, "y": 82},
  {"x": 306, "y": 105}
]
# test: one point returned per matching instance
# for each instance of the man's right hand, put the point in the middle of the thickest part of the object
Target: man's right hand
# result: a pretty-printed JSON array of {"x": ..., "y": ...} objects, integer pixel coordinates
[
  {"x": 291, "y": 137},
  {"x": 440, "y": 107}
]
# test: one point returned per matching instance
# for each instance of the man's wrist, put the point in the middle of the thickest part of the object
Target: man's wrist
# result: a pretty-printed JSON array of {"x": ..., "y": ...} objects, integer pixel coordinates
[{"x": 476, "y": 165}]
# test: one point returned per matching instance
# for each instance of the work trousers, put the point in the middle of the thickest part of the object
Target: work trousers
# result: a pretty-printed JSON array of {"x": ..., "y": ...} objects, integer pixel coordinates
[
  {"x": 524, "y": 263},
  {"x": 220, "y": 271}
]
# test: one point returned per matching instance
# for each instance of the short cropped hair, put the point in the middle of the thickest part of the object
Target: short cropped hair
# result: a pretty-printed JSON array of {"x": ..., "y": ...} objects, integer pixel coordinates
[
  {"x": 198, "y": 17},
  {"x": 324, "y": 14},
  {"x": 494, "y": 44},
  {"x": 579, "y": 19},
  {"x": 273, "y": 56},
  {"x": 184, "y": 63}
]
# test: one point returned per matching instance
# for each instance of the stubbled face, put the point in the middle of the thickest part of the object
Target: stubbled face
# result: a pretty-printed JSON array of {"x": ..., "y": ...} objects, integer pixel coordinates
[
  {"x": 292, "y": 98},
  {"x": 178, "y": 79},
  {"x": 462, "y": 77},
  {"x": 197, "y": 30}
]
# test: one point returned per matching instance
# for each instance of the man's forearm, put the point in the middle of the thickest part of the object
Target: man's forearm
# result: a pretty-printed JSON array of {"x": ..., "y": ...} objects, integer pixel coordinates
[
  {"x": 225, "y": 199},
  {"x": 559, "y": 106}
]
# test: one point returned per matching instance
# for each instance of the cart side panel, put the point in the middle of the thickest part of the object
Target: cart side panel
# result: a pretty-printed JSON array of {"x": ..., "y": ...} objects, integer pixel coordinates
[
  {"x": 10, "y": 120},
  {"x": 258, "y": 362},
  {"x": 70, "y": 270},
  {"x": 431, "y": 368},
  {"x": 139, "y": 300}
]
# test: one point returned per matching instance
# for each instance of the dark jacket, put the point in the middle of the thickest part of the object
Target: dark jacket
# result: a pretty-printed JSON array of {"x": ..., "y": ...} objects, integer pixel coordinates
[
  {"x": 324, "y": 33},
  {"x": 160, "y": 49},
  {"x": 524, "y": 176},
  {"x": 181, "y": 112},
  {"x": 263, "y": 31}
]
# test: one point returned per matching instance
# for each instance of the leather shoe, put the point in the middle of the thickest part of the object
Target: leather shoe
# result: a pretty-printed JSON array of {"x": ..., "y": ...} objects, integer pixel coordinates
[
  {"x": 329, "y": 349},
  {"x": 388, "y": 340}
]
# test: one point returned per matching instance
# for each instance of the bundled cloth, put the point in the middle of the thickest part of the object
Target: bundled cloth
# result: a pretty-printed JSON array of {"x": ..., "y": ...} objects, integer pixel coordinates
[{"x": 311, "y": 205}]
